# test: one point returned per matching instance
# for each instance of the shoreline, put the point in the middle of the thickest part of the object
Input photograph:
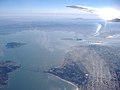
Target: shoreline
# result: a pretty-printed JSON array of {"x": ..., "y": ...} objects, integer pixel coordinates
[{"x": 65, "y": 81}]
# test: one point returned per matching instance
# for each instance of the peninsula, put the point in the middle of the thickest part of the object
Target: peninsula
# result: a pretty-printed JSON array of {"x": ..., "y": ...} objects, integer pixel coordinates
[
  {"x": 5, "y": 68},
  {"x": 91, "y": 67}
]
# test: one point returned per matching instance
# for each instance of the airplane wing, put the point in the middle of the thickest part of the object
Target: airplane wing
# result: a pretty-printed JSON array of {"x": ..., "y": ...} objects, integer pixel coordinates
[
  {"x": 115, "y": 20},
  {"x": 105, "y": 13},
  {"x": 84, "y": 8}
]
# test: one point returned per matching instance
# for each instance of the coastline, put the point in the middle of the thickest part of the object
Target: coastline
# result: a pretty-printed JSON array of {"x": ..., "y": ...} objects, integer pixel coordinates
[{"x": 64, "y": 80}]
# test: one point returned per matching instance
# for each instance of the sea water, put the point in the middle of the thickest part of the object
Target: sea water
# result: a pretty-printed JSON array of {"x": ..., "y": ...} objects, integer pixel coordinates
[{"x": 46, "y": 45}]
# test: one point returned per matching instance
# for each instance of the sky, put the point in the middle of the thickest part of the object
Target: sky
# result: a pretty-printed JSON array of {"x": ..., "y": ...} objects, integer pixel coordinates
[{"x": 12, "y": 7}]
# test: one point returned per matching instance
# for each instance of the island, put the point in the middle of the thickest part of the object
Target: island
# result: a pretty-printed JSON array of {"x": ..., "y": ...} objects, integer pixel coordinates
[
  {"x": 14, "y": 44},
  {"x": 72, "y": 39},
  {"x": 5, "y": 68},
  {"x": 90, "y": 67}
]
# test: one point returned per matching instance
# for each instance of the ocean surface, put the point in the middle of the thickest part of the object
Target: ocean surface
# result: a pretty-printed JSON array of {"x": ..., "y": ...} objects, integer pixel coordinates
[{"x": 47, "y": 40}]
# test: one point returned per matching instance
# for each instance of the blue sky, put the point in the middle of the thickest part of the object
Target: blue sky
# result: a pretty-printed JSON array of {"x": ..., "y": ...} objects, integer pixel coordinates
[{"x": 49, "y": 6}]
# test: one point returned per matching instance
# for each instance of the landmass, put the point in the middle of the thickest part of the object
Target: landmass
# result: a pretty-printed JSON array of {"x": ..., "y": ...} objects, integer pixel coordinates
[
  {"x": 5, "y": 68},
  {"x": 14, "y": 44},
  {"x": 91, "y": 67},
  {"x": 71, "y": 39}
]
